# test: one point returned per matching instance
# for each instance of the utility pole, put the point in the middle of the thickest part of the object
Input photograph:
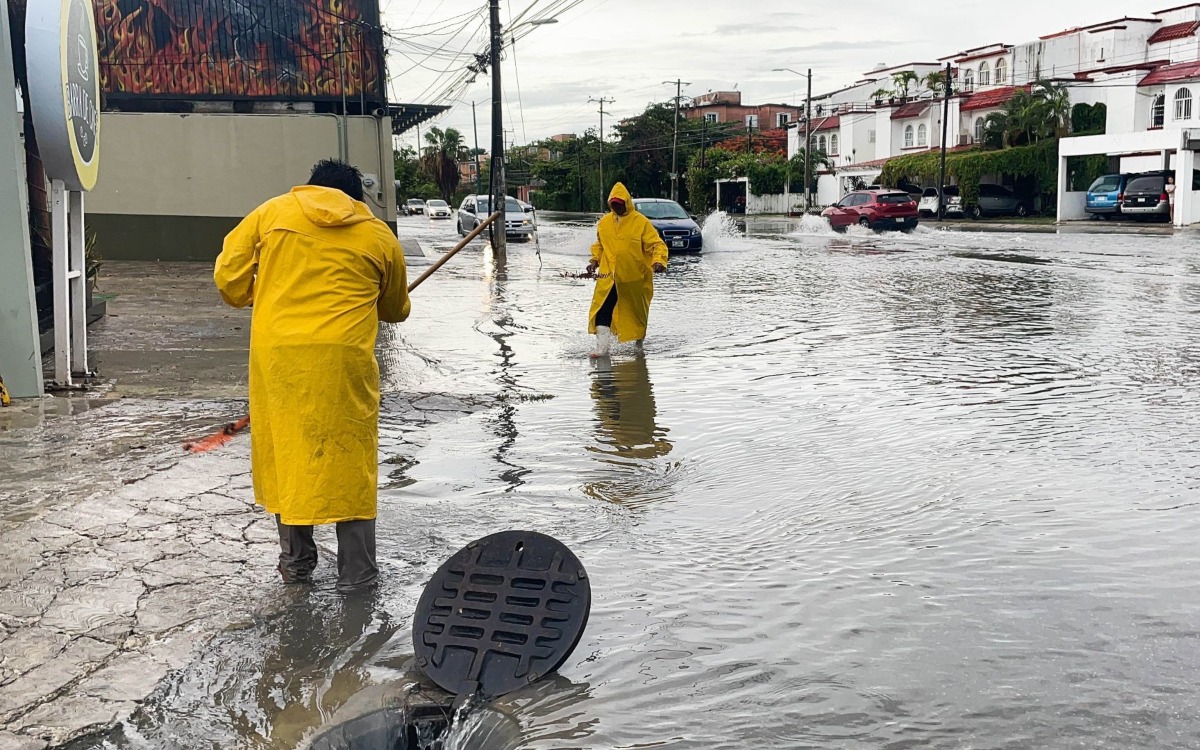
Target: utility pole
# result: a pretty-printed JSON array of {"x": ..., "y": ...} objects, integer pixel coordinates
[
  {"x": 679, "y": 84},
  {"x": 478, "y": 173},
  {"x": 808, "y": 145},
  {"x": 602, "y": 101},
  {"x": 941, "y": 186},
  {"x": 499, "y": 188}
]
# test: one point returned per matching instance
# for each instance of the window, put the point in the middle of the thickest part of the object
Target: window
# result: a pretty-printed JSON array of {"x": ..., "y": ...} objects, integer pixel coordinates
[
  {"x": 870, "y": 136},
  {"x": 1183, "y": 104},
  {"x": 822, "y": 145},
  {"x": 710, "y": 117},
  {"x": 968, "y": 79},
  {"x": 922, "y": 135},
  {"x": 782, "y": 119},
  {"x": 1158, "y": 111},
  {"x": 833, "y": 145},
  {"x": 979, "y": 130},
  {"x": 752, "y": 121},
  {"x": 1001, "y": 72},
  {"x": 908, "y": 136},
  {"x": 985, "y": 75}
]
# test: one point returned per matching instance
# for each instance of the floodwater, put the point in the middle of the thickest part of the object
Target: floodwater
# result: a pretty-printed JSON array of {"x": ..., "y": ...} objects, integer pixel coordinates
[{"x": 935, "y": 490}]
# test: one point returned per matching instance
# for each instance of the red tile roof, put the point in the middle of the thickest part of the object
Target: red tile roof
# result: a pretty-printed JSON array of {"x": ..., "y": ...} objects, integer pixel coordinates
[
  {"x": 912, "y": 109},
  {"x": 827, "y": 123},
  {"x": 1175, "y": 31},
  {"x": 991, "y": 99},
  {"x": 1172, "y": 73}
]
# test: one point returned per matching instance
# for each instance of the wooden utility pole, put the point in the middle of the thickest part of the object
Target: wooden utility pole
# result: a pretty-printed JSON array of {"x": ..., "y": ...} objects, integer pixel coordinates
[
  {"x": 602, "y": 101},
  {"x": 679, "y": 84},
  {"x": 941, "y": 186}
]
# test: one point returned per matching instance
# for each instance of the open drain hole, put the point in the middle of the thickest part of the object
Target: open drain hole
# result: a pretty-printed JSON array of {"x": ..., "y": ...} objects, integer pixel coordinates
[{"x": 420, "y": 728}]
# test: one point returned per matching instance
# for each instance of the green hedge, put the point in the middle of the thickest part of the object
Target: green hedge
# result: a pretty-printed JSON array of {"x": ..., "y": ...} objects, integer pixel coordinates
[{"x": 967, "y": 168}]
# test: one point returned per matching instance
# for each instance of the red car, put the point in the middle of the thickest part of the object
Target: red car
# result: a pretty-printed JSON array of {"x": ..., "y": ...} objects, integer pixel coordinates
[{"x": 874, "y": 209}]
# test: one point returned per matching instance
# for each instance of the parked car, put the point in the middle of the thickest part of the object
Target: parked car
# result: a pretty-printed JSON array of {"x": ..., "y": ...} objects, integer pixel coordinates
[
  {"x": 1146, "y": 194},
  {"x": 875, "y": 209},
  {"x": 997, "y": 200},
  {"x": 475, "y": 208},
  {"x": 1104, "y": 196},
  {"x": 413, "y": 206},
  {"x": 679, "y": 230},
  {"x": 928, "y": 207},
  {"x": 438, "y": 209}
]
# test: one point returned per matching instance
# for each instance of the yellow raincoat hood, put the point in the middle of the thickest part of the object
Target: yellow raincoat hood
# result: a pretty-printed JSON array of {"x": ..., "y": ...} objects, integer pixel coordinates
[
  {"x": 620, "y": 191},
  {"x": 330, "y": 207}
]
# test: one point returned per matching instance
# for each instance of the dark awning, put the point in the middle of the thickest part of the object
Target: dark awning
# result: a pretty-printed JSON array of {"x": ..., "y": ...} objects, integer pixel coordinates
[{"x": 405, "y": 117}]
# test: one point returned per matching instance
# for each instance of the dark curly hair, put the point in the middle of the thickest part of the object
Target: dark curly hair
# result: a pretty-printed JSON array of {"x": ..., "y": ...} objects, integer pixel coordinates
[{"x": 332, "y": 173}]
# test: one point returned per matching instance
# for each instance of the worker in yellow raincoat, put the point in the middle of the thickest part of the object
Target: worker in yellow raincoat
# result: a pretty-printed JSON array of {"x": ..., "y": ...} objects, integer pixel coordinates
[
  {"x": 626, "y": 255},
  {"x": 321, "y": 272}
]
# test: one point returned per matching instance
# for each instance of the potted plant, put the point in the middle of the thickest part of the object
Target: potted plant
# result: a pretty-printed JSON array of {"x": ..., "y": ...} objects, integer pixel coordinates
[{"x": 880, "y": 95}]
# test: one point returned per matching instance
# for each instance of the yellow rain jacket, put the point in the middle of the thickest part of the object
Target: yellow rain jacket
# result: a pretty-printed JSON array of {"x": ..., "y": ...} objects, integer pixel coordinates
[
  {"x": 321, "y": 272},
  {"x": 627, "y": 247}
]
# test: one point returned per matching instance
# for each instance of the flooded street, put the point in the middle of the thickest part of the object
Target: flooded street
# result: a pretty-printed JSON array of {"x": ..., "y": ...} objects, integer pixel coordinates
[{"x": 933, "y": 490}]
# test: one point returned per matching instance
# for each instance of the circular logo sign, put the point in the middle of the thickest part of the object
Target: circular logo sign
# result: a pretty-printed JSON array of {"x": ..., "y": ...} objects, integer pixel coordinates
[{"x": 64, "y": 83}]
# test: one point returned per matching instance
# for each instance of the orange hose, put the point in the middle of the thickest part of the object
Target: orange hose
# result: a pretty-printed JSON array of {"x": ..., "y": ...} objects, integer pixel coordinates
[{"x": 216, "y": 440}]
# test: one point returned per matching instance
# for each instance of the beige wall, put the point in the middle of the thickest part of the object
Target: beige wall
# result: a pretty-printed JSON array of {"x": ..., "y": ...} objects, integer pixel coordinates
[{"x": 224, "y": 165}]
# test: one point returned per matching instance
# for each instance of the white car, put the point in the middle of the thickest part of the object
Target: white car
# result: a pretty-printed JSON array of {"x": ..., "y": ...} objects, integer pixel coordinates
[
  {"x": 928, "y": 207},
  {"x": 438, "y": 209}
]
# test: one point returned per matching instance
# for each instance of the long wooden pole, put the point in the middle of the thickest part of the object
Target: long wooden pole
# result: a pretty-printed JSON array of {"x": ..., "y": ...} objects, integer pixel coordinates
[{"x": 228, "y": 431}]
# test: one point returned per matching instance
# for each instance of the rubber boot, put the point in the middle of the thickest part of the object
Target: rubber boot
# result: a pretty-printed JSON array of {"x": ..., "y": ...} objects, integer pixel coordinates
[{"x": 603, "y": 342}]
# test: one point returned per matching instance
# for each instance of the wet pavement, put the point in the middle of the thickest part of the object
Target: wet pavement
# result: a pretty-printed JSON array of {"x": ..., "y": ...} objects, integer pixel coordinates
[{"x": 932, "y": 490}]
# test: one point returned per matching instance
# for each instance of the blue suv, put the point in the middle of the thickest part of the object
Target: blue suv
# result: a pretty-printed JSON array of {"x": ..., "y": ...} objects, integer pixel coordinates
[
  {"x": 1104, "y": 196},
  {"x": 679, "y": 231}
]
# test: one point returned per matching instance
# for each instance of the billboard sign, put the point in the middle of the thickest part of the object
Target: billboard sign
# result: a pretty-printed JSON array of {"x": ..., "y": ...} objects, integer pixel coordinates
[{"x": 290, "y": 50}]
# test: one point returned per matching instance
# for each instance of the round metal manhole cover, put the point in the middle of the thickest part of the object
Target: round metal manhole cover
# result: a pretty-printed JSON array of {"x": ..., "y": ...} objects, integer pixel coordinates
[{"x": 502, "y": 613}]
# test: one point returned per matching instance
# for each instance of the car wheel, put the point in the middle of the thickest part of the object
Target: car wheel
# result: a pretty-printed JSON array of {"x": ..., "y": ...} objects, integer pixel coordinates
[
  {"x": 976, "y": 212},
  {"x": 864, "y": 222},
  {"x": 1022, "y": 210}
]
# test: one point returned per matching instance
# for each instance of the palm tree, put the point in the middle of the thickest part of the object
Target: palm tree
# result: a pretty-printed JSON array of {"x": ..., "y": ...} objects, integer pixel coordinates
[
  {"x": 904, "y": 81},
  {"x": 1056, "y": 106},
  {"x": 935, "y": 81},
  {"x": 440, "y": 159}
]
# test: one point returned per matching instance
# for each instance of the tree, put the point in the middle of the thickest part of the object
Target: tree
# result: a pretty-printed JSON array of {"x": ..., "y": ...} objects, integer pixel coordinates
[
  {"x": 904, "y": 81},
  {"x": 1055, "y": 103},
  {"x": 440, "y": 159},
  {"x": 881, "y": 94},
  {"x": 411, "y": 181},
  {"x": 936, "y": 82}
]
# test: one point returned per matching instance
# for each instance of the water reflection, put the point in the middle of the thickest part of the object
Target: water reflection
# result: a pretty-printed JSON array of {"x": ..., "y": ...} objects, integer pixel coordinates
[{"x": 625, "y": 411}]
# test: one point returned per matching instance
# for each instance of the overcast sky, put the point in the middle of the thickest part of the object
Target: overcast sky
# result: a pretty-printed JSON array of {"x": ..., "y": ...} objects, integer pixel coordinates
[{"x": 624, "y": 49}]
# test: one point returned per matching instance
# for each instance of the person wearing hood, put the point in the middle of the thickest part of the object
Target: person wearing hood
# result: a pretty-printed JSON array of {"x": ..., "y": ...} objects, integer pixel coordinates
[
  {"x": 627, "y": 253},
  {"x": 321, "y": 272}
]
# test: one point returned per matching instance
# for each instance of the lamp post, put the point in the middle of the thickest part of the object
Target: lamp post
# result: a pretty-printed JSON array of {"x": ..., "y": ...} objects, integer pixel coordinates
[{"x": 807, "y": 134}]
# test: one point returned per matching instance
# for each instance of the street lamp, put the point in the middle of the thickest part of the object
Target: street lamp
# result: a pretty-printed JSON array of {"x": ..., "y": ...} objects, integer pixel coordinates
[{"x": 807, "y": 133}]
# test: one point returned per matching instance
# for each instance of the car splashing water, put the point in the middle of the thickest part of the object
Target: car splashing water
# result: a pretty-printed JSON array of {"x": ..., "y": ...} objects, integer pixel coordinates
[{"x": 929, "y": 490}]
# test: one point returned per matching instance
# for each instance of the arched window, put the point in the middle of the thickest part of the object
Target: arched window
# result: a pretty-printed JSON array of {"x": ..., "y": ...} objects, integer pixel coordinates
[
  {"x": 985, "y": 75},
  {"x": 968, "y": 79},
  {"x": 822, "y": 144},
  {"x": 979, "y": 130},
  {"x": 908, "y": 136},
  {"x": 922, "y": 135},
  {"x": 1001, "y": 72},
  {"x": 833, "y": 145},
  {"x": 1183, "y": 104},
  {"x": 1158, "y": 111}
]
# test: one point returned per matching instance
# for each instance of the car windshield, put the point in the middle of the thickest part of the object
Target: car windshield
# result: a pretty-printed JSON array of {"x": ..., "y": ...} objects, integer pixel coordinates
[
  {"x": 661, "y": 210},
  {"x": 438, "y": 204},
  {"x": 1106, "y": 184},
  {"x": 951, "y": 191},
  {"x": 930, "y": 193},
  {"x": 416, "y": 202},
  {"x": 894, "y": 198},
  {"x": 510, "y": 206},
  {"x": 1152, "y": 184}
]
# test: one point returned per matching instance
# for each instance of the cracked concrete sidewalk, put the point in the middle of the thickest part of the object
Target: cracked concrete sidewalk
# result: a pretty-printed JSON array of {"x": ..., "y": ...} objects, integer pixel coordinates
[{"x": 135, "y": 559}]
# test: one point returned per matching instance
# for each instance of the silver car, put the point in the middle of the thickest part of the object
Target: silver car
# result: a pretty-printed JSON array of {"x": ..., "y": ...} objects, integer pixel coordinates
[
  {"x": 475, "y": 208},
  {"x": 1146, "y": 195}
]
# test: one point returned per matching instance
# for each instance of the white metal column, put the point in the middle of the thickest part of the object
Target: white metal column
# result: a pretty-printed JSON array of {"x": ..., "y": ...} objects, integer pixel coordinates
[
  {"x": 78, "y": 276},
  {"x": 70, "y": 291}
]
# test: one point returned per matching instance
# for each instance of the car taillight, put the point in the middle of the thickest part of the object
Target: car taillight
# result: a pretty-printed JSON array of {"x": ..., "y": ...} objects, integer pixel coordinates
[
  {"x": 1164, "y": 197},
  {"x": 1120, "y": 197}
]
